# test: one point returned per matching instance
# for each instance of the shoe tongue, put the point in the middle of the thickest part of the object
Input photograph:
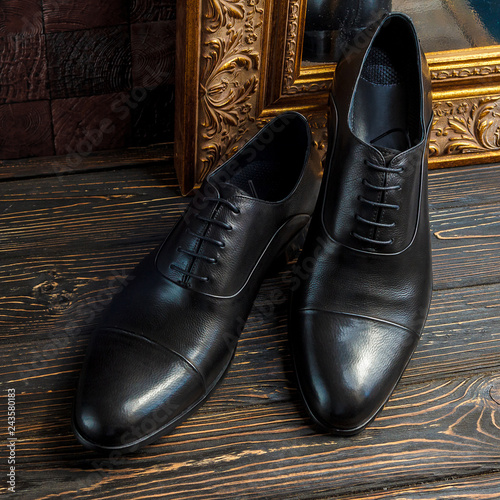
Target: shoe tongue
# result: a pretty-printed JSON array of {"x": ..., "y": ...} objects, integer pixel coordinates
[{"x": 387, "y": 153}]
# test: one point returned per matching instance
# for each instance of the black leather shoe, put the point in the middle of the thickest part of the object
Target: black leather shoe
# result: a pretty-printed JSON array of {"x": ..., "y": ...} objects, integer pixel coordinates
[
  {"x": 169, "y": 336},
  {"x": 360, "y": 309},
  {"x": 330, "y": 24}
]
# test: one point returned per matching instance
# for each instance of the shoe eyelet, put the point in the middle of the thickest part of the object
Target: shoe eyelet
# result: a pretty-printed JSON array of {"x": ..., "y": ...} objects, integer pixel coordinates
[
  {"x": 229, "y": 228},
  {"x": 222, "y": 244}
]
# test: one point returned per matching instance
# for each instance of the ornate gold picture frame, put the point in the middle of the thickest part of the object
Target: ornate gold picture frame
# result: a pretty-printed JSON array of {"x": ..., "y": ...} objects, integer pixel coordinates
[{"x": 239, "y": 64}]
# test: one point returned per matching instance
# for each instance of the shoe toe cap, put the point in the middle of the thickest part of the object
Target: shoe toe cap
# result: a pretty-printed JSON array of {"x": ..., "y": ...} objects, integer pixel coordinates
[
  {"x": 131, "y": 390},
  {"x": 348, "y": 366}
]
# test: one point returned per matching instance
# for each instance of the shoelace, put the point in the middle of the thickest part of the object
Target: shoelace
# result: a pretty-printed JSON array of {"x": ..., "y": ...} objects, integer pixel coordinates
[
  {"x": 377, "y": 204},
  {"x": 220, "y": 244}
]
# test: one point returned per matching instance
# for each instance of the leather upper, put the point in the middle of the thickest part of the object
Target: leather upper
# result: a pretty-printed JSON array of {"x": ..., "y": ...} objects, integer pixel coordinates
[
  {"x": 361, "y": 368},
  {"x": 366, "y": 274},
  {"x": 169, "y": 335},
  {"x": 347, "y": 167},
  {"x": 227, "y": 277}
]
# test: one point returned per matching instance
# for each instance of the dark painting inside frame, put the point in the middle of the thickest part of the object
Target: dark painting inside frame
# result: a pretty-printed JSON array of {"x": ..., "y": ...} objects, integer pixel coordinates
[{"x": 442, "y": 24}]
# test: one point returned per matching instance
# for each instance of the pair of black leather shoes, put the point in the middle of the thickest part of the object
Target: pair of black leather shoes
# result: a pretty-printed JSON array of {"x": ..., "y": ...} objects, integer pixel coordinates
[{"x": 169, "y": 336}]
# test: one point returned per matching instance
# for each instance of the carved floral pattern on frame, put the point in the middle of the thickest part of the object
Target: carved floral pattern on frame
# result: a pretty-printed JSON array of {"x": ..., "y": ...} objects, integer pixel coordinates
[
  {"x": 465, "y": 126},
  {"x": 229, "y": 77}
]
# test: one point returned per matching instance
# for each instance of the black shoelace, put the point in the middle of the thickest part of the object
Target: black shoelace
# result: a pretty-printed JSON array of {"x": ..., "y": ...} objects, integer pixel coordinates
[
  {"x": 202, "y": 237},
  {"x": 377, "y": 204}
]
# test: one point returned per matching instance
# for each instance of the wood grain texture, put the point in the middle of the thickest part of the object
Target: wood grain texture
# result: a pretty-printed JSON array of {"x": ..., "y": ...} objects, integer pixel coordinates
[
  {"x": 466, "y": 245},
  {"x": 23, "y": 69},
  {"x": 89, "y": 62},
  {"x": 60, "y": 49},
  {"x": 21, "y": 17},
  {"x": 25, "y": 130},
  {"x": 466, "y": 238},
  {"x": 476, "y": 487},
  {"x": 428, "y": 432},
  {"x": 103, "y": 160},
  {"x": 152, "y": 10},
  {"x": 69, "y": 241},
  {"x": 83, "y": 125},
  {"x": 465, "y": 187},
  {"x": 56, "y": 302},
  {"x": 70, "y": 15},
  {"x": 153, "y": 53},
  {"x": 474, "y": 184},
  {"x": 125, "y": 214}
]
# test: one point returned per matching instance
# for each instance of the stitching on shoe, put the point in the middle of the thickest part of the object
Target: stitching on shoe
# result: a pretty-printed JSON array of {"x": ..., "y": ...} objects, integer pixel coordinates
[
  {"x": 165, "y": 348},
  {"x": 391, "y": 323}
]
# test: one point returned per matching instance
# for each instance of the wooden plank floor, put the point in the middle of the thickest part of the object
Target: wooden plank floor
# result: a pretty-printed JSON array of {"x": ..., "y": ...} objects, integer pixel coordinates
[{"x": 69, "y": 240}]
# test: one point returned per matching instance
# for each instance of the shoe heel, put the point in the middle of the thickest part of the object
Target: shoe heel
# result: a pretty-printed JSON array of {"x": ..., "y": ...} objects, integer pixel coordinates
[{"x": 290, "y": 253}]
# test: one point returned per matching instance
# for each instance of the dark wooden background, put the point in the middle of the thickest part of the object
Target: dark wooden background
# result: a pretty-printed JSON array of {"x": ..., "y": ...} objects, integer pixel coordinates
[
  {"x": 70, "y": 240},
  {"x": 79, "y": 76}
]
